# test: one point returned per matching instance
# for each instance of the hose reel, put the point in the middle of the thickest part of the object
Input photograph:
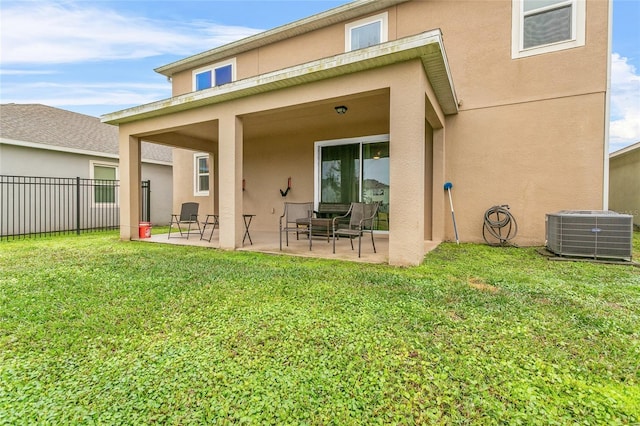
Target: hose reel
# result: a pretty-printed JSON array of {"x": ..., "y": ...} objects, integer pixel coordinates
[{"x": 499, "y": 226}]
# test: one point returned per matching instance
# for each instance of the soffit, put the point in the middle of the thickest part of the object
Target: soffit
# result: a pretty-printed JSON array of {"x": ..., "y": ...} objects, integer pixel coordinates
[
  {"x": 339, "y": 14},
  {"x": 426, "y": 46}
]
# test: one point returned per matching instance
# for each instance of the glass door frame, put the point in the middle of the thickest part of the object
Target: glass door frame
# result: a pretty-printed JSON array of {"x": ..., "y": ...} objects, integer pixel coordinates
[{"x": 317, "y": 155}]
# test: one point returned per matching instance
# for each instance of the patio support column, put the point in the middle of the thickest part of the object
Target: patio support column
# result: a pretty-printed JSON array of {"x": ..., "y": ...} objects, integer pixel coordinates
[
  {"x": 406, "y": 165},
  {"x": 230, "y": 181},
  {"x": 130, "y": 182},
  {"x": 439, "y": 194}
]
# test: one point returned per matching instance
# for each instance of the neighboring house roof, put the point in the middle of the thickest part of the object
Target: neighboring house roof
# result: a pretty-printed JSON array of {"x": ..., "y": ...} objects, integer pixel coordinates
[
  {"x": 45, "y": 127},
  {"x": 625, "y": 150},
  {"x": 374, "y": 184}
]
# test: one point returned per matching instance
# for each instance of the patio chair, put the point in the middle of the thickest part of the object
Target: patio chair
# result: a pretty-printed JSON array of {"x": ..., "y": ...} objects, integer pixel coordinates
[
  {"x": 296, "y": 218},
  {"x": 361, "y": 218},
  {"x": 188, "y": 216}
]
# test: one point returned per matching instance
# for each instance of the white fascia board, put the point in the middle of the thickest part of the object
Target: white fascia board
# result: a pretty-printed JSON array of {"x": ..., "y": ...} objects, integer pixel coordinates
[
  {"x": 36, "y": 145},
  {"x": 625, "y": 150},
  {"x": 323, "y": 19},
  {"x": 427, "y": 46}
]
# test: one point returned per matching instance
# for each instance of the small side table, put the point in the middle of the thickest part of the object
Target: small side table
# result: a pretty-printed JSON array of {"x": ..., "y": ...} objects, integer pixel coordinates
[
  {"x": 212, "y": 219},
  {"x": 247, "y": 218}
]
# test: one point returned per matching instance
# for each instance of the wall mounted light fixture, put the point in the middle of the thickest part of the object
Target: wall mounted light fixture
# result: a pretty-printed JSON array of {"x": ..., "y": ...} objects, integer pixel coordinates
[{"x": 341, "y": 109}]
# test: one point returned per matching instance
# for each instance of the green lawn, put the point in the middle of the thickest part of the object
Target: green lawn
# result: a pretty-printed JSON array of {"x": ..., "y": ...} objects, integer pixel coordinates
[{"x": 94, "y": 330}]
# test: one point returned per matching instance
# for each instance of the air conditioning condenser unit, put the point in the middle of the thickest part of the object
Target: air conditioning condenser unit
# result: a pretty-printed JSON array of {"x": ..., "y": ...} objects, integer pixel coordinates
[{"x": 597, "y": 234}]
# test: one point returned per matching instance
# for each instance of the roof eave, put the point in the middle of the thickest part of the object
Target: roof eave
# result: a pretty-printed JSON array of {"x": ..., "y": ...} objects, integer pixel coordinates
[
  {"x": 625, "y": 150},
  {"x": 427, "y": 46},
  {"x": 302, "y": 26}
]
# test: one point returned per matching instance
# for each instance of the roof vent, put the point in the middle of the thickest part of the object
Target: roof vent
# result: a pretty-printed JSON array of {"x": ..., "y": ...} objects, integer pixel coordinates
[{"x": 596, "y": 234}]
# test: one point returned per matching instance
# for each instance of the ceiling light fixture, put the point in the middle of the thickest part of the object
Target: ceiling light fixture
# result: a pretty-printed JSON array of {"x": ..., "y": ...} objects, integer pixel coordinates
[{"x": 341, "y": 109}]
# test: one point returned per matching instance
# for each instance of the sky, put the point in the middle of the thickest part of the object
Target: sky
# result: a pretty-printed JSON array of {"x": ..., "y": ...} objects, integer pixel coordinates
[{"x": 97, "y": 56}]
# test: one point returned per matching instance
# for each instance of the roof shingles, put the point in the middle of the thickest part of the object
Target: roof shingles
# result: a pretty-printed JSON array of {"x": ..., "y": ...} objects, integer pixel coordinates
[{"x": 46, "y": 125}]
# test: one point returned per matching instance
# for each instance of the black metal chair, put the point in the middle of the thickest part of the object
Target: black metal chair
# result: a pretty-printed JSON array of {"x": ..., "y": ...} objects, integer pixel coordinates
[
  {"x": 188, "y": 216},
  {"x": 361, "y": 218},
  {"x": 296, "y": 218}
]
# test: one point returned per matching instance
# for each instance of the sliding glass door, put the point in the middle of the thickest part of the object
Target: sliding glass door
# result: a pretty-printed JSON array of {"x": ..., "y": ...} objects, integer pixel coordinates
[
  {"x": 375, "y": 180},
  {"x": 354, "y": 170},
  {"x": 340, "y": 173}
]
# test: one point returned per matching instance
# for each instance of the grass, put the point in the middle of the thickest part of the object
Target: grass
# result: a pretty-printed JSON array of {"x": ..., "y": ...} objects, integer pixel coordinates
[{"x": 94, "y": 330}]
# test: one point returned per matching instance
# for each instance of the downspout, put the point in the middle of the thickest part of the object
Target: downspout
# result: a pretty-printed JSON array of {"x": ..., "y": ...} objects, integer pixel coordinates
[{"x": 607, "y": 111}]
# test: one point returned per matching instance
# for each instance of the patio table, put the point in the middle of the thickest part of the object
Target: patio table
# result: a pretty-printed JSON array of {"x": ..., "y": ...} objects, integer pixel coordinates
[
  {"x": 247, "y": 218},
  {"x": 319, "y": 226},
  {"x": 211, "y": 219}
]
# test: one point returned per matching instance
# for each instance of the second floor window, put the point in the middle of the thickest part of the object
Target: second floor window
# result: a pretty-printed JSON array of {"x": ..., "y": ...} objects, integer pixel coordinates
[
  {"x": 542, "y": 26},
  {"x": 366, "y": 32},
  {"x": 215, "y": 75},
  {"x": 546, "y": 21}
]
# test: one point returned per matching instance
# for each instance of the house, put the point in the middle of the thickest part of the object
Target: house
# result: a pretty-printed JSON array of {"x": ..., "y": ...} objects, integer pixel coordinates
[
  {"x": 506, "y": 99},
  {"x": 624, "y": 181},
  {"x": 42, "y": 141}
]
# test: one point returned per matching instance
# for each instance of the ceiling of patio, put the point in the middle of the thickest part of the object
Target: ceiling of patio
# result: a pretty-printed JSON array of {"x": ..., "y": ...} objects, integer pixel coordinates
[
  {"x": 362, "y": 109},
  {"x": 371, "y": 107}
]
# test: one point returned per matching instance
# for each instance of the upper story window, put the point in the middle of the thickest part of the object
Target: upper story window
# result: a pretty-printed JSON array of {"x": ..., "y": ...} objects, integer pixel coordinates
[
  {"x": 366, "y": 32},
  {"x": 542, "y": 26},
  {"x": 214, "y": 75},
  {"x": 201, "y": 175}
]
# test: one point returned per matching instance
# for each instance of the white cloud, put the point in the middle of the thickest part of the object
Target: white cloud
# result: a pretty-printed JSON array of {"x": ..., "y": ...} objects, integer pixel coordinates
[
  {"x": 108, "y": 96},
  {"x": 26, "y": 72},
  {"x": 50, "y": 32},
  {"x": 625, "y": 103}
]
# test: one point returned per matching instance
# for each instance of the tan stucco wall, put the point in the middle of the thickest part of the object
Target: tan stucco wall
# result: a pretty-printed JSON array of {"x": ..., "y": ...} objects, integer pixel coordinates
[
  {"x": 183, "y": 183},
  {"x": 477, "y": 38},
  {"x": 624, "y": 184},
  {"x": 322, "y": 43},
  {"x": 531, "y": 156}
]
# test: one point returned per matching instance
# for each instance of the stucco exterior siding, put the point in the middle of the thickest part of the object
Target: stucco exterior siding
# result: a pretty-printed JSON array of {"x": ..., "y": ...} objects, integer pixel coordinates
[
  {"x": 184, "y": 185},
  {"x": 321, "y": 43},
  {"x": 477, "y": 36},
  {"x": 23, "y": 161},
  {"x": 532, "y": 156}
]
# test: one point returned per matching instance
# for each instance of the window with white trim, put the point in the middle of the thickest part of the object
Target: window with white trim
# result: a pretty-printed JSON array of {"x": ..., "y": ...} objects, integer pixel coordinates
[
  {"x": 214, "y": 75},
  {"x": 366, "y": 32},
  {"x": 105, "y": 183},
  {"x": 201, "y": 174},
  {"x": 543, "y": 26}
]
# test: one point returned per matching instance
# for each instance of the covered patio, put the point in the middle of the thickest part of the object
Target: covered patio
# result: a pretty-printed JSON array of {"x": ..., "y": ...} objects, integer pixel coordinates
[
  {"x": 267, "y": 242},
  {"x": 263, "y": 132}
]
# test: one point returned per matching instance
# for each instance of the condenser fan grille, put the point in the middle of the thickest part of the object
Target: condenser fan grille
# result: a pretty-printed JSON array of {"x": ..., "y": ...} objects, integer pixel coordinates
[{"x": 590, "y": 233}]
